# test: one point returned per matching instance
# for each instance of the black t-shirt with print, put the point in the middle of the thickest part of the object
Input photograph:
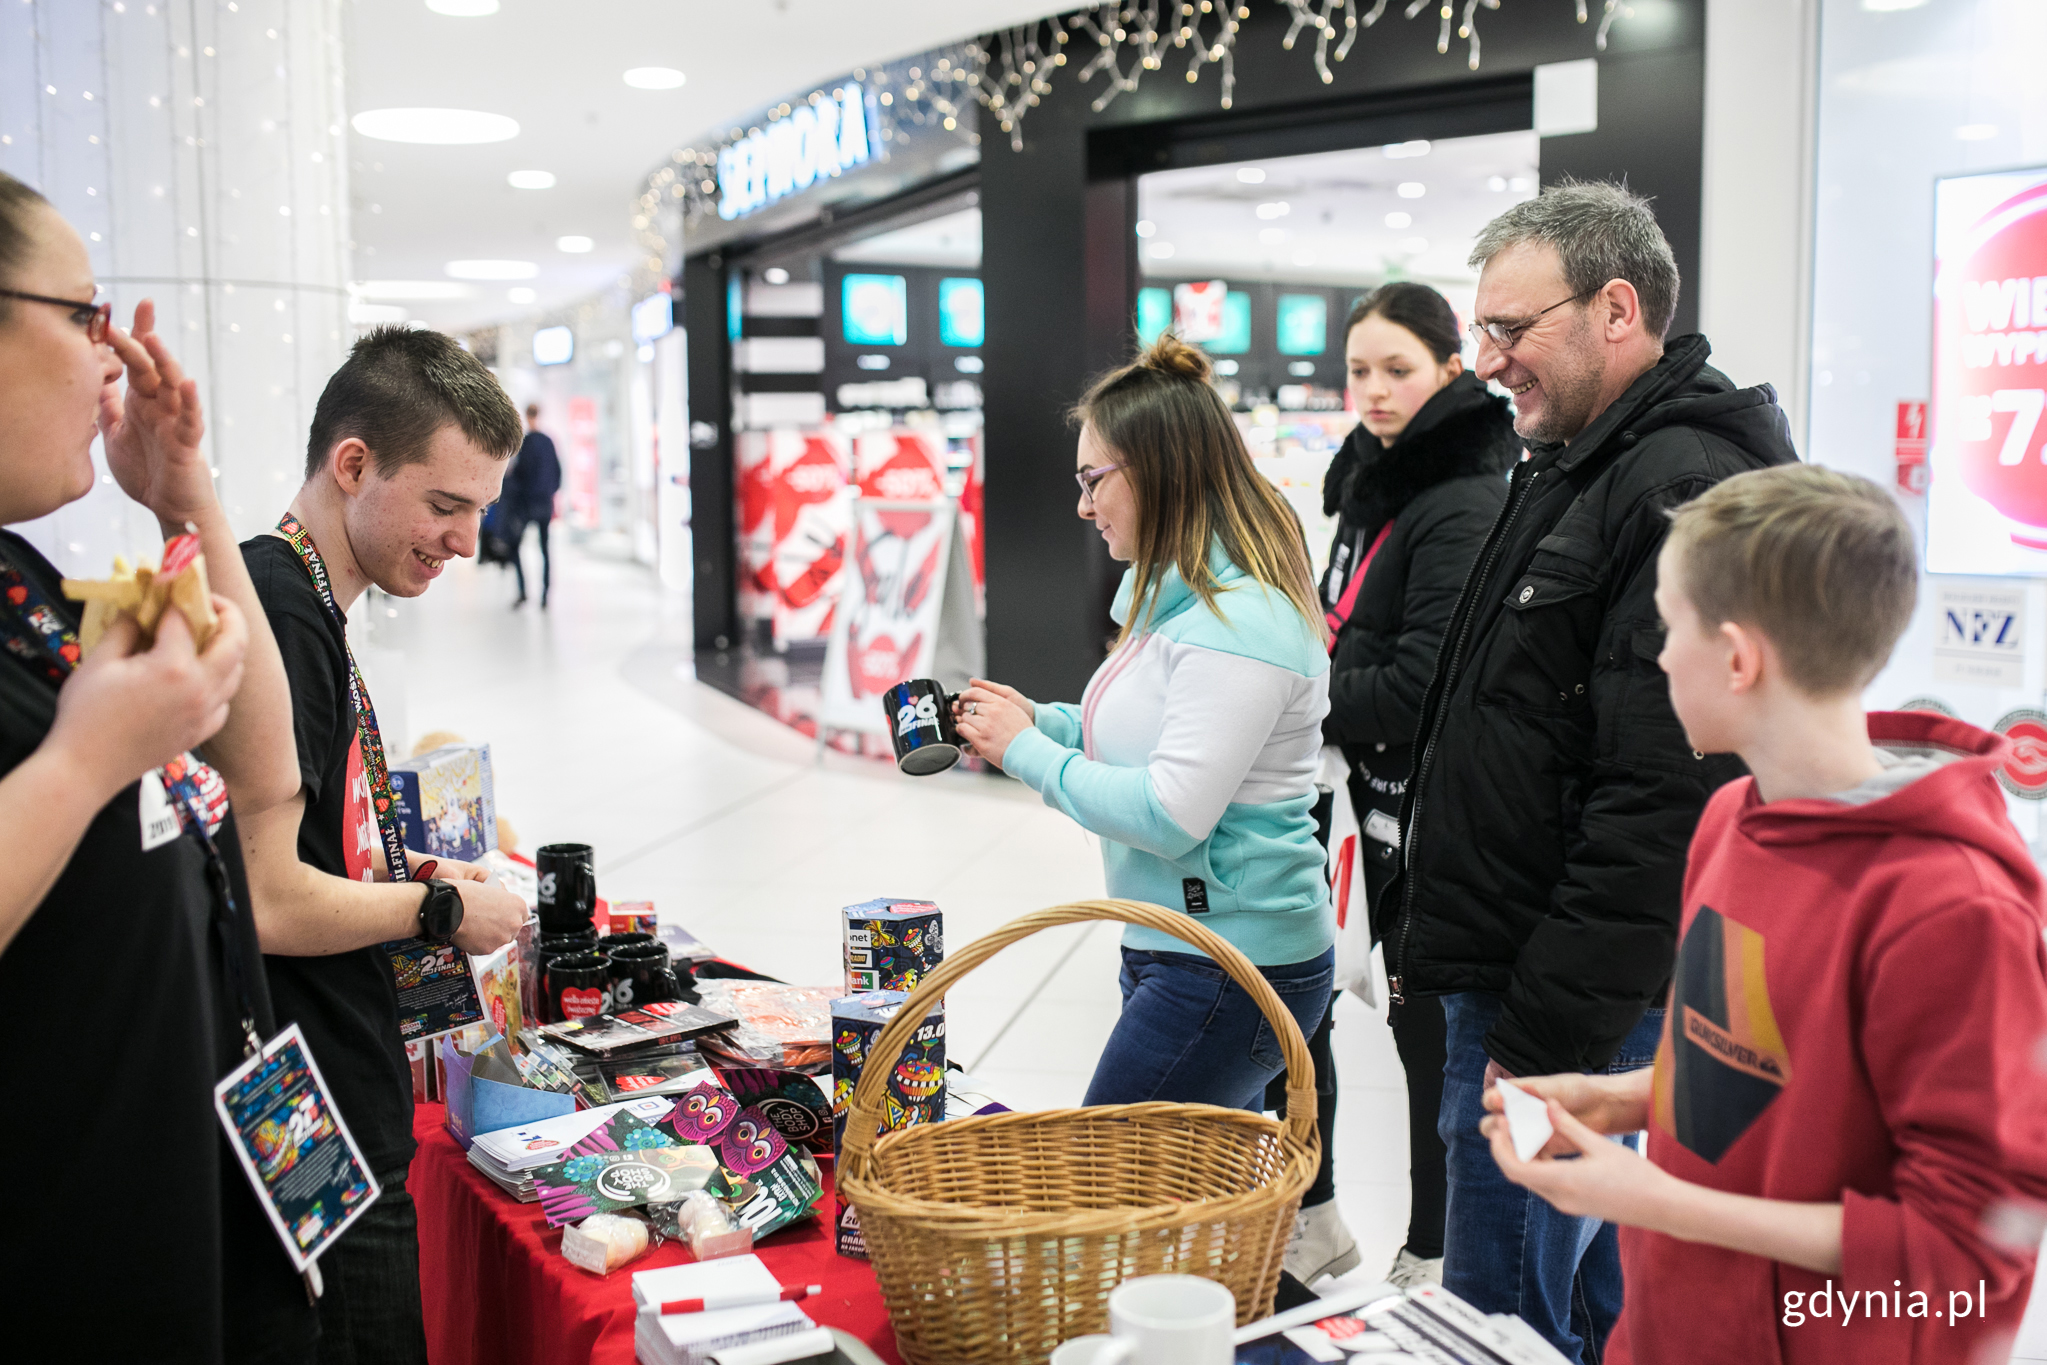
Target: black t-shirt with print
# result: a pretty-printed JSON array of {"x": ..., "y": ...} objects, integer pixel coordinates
[
  {"x": 347, "y": 1003},
  {"x": 116, "y": 994}
]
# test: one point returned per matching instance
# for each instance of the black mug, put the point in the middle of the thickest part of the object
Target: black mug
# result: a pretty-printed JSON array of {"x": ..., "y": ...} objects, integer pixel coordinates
[
  {"x": 613, "y": 944},
  {"x": 641, "y": 975},
  {"x": 568, "y": 887},
  {"x": 578, "y": 987},
  {"x": 920, "y": 726}
]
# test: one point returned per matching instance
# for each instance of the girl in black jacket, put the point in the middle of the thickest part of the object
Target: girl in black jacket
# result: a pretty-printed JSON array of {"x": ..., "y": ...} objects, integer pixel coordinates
[{"x": 1416, "y": 488}]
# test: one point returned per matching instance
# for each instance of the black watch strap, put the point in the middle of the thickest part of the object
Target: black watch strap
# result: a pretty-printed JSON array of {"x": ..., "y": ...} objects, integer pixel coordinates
[{"x": 440, "y": 914}]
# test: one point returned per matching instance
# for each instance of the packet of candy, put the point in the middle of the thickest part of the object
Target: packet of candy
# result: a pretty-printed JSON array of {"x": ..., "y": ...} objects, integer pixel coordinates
[{"x": 795, "y": 1103}]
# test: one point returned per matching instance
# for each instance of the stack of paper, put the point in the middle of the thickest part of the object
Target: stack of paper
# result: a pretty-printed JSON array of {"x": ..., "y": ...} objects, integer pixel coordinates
[
  {"x": 510, "y": 1155},
  {"x": 693, "y": 1338}
]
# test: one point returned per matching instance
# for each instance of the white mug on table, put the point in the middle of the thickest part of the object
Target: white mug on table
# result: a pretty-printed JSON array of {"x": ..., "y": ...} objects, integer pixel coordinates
[{"x": 1161, "y": 1320}]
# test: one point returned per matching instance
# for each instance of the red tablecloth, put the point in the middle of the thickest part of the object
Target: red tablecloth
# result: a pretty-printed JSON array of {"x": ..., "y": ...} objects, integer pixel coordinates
[{"x": 497, "y": 1291}]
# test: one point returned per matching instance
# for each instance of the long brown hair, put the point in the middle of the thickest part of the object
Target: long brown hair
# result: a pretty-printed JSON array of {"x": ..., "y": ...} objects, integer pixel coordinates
[{"x": 1195, "y": 484}]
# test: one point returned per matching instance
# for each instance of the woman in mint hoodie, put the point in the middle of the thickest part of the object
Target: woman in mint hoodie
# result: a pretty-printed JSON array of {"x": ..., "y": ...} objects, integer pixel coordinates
[{"x": 1194, "y": 751}]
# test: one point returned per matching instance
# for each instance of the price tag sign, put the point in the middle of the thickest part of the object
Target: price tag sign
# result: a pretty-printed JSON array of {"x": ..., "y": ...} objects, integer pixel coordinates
[{"x": 307, "y": 1171}]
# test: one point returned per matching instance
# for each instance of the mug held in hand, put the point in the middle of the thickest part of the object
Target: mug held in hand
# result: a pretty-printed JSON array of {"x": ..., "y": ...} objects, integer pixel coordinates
[{"x": 920, "y": 726}]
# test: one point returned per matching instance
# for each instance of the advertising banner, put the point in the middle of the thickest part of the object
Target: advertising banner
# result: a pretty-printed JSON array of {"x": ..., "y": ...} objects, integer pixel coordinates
[
  {"x": 579, "y": 470},
  {"x": 906, "y": 611},
  {"x": 792, "y": 529},
  {"x": 1987, "y": 496}
]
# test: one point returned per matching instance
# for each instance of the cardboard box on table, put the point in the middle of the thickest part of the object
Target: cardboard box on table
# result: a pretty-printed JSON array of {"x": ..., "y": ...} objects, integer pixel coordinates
[{"x": 916, "y": 1086}]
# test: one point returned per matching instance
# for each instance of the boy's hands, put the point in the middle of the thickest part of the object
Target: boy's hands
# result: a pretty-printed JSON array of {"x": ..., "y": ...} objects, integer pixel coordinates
[
  {"x": 1611, "y": 1105},
  {"x": 1582, "y": 1172}
]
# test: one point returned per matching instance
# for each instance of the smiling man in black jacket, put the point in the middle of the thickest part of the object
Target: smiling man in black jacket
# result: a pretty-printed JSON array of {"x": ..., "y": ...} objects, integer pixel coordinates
[{"x": 1554, "y": 795}]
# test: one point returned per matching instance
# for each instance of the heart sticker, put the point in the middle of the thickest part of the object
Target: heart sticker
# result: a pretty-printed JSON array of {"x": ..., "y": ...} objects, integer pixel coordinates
[{"x": 582, "y": 1003}]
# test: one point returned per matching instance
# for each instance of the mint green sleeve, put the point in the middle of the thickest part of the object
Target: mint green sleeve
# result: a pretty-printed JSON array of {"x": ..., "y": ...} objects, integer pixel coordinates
[
  {"x": 1117, "y": 803},
  {"x": 1060, "y": 721}
]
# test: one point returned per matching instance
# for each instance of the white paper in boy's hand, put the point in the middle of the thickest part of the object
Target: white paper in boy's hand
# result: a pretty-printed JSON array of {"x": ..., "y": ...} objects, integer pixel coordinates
[{"x": 1527, "y": 1119}]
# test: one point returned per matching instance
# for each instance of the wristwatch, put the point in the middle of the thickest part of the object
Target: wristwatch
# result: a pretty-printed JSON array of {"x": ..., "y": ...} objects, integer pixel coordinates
[{"x": 440, "y": 915}]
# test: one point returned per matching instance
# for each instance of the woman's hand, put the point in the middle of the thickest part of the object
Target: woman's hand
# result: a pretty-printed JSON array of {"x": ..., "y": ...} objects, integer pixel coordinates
[
  {"x": 989, "y": 715},
  {"x": 1598, "y": 1179},
  {"x": 153, "y": 431},
  {"x": 1612, "y": 1105},
  {"x": 126, "y": 711}
]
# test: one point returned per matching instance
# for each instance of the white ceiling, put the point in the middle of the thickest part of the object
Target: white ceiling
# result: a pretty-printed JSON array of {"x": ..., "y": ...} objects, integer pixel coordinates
[
  {"x": 1334, "y": 229},
  {"x": 556, "y": 66}
]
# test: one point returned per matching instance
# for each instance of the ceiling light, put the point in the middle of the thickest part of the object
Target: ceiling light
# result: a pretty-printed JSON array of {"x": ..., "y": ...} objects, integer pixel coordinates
[
  {"x": 1399, "y": 220},
  {"x": 1271, "y": 236},
  {"x": 1146, "y": 227},
  {"x": 1976, "y": 132},
  {"x": 463, "y": 9},
  {"x": 519, "y": 293},
  {"x": 574, "y": 245},
  {"x": 531, "y": 180},
  {"x": 655, "y": 78},
  {"x": 1413, "y": 147},
  {"x": 1520, "y": 184},
  {"x": 440, "y": 126},
  {"x": 1160, "y": 250},
  {"x": 1890, "y": 6},
  {"x": 774, "y": 274},
  {"x": 491, "y": 270},
  {"x": 1496, "y": 183},
  {"x": 1415, "y": 244},
  {"x": 1412, "y": 189},
  {"x": 1251, "y": 175},
  {"x": 409, "y": 291},
  {"x": 1277, "y": 210}
]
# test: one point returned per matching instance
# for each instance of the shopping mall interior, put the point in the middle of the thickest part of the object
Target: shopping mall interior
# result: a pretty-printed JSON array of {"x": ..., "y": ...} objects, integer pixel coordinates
[{"x": 804, "y": 294}]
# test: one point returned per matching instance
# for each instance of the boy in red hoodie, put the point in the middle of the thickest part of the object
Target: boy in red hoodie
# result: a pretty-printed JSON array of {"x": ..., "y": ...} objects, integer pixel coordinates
[{"x": 1847, "y": 1118}]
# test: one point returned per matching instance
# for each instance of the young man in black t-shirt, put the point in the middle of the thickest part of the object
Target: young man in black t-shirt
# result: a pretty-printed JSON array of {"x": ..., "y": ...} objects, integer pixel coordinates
[{"x": 408, "y": 447}]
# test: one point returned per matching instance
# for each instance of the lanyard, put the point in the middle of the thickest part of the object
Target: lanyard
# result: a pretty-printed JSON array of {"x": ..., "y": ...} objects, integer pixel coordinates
[
  {"x": 1338, "y": 617},
  {"x": 373, "y": 765},
  {"x": 35, "y": 633}
]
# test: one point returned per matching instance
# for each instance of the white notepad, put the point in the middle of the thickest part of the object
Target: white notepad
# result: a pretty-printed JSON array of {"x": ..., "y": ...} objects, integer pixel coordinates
[{"x": 703, "y": 1280}]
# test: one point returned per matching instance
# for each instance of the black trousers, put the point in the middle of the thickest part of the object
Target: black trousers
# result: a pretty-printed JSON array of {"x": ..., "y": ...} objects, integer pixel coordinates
[
  {"x": 370, "y": 1312},
  {"x": 519, "y": 559}
]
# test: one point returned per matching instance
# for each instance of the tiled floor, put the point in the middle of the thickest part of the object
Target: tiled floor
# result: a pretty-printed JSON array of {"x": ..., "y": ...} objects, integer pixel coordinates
[{"x": 730, "y": 821}]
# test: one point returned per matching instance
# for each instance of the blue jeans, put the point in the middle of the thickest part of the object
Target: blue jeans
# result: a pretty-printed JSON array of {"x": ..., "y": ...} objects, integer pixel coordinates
[
  {"x": 1506, "y": 1250},
  {"x": 1190, "y": 1035}
]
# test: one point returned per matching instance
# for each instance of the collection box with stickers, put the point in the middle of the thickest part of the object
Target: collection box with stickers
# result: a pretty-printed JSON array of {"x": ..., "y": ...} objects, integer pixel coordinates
[
  {"x": 916, "y": 1088},
  {"x": 444, "y": 802},
  {"x": 891, "y": 944}
]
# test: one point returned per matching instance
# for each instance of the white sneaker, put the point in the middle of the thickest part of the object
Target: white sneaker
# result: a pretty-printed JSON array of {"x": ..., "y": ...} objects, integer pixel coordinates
[
  {"x": 1410, "y": 1271},
  {"x": 1321, "y": 1245}
]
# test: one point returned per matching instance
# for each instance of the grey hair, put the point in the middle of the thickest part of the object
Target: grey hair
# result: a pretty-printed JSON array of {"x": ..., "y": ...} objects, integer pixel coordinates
[{"x": 1601, "y": 232}]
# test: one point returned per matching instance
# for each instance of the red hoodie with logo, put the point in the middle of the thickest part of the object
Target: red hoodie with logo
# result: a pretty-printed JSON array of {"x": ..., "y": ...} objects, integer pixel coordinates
[{"x": 1858, "y": 1014}]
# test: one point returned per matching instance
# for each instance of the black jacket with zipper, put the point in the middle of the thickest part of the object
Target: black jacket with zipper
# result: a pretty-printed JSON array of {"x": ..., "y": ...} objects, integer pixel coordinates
[
  {"x": 1441, "y": 484},
  {"x": 1546, "y": 825}
]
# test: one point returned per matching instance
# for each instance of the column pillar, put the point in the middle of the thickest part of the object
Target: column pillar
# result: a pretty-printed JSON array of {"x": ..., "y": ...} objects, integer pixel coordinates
[{"x": 198, "y": 147}]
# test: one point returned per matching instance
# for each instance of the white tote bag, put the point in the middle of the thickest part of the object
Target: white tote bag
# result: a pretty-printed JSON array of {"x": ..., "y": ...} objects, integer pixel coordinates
[{"x": 1355, "y": 971}]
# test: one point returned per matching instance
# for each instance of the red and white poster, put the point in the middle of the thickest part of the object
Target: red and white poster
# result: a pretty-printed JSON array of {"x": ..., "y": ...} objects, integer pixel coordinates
[
  {"x": 792, "y": 495},
  {"x": 1198, "y": 309},
  {"x": 1987, "y": 491},
  {"x": 900, "y": 465},
  {"x": 579, "y": 473},
  {"x": 906, "y": 610}
]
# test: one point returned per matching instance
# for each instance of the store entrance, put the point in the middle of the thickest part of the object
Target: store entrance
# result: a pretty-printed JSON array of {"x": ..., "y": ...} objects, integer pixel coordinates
[
  {"x": 857, "y": 374},
  {"x": 1260, "y": 262}
]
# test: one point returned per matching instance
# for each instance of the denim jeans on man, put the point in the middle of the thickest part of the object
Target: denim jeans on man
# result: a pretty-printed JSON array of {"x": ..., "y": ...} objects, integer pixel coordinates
[
  {"x": 1191, "y": 1035},
  {"x": 1506, "y": 1250}
]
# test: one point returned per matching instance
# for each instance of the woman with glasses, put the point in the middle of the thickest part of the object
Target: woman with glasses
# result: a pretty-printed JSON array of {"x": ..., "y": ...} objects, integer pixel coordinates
[
  {"x": 123, "y": 911},
  {"x": 1193, "y": 752},
  {"x": 1414, "y": 488}
]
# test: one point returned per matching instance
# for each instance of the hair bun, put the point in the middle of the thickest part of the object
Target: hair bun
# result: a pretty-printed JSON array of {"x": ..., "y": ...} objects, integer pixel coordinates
[{"x": 1170, "y": 355}]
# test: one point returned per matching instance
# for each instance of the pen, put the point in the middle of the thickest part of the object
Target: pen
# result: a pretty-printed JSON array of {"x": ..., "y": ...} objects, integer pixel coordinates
[{"x": 715, "y": 1301}]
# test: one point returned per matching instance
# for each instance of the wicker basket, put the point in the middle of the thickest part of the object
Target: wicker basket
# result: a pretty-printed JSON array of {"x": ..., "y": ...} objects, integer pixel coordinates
[{"x": 999, "y": 1236}]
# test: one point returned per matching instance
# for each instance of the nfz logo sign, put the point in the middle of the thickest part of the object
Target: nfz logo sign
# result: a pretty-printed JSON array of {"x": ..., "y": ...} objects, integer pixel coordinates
[{"x": 1981, "y": 634}]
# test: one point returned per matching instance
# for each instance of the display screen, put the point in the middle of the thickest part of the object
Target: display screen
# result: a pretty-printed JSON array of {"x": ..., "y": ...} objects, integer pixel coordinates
[
  {"x": 875, "y": 310},
  {"x": 653, "y": 317},
  {"x": 1303, "y": 324},
  {"x": 960, "y": 317},
  {"x": 554, "y": 346},
  {"x": 1986, "y": 507},
  {"x": 1154, "y": 313},
  {"x": 1235, "y": 336}
]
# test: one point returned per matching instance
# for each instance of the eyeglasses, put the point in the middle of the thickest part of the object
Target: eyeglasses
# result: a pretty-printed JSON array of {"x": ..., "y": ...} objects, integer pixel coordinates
[
  {"x": 1504, "y": 335},
  {"x": 95, "y": 318},
  {"x": 1088, "y": 479}
]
